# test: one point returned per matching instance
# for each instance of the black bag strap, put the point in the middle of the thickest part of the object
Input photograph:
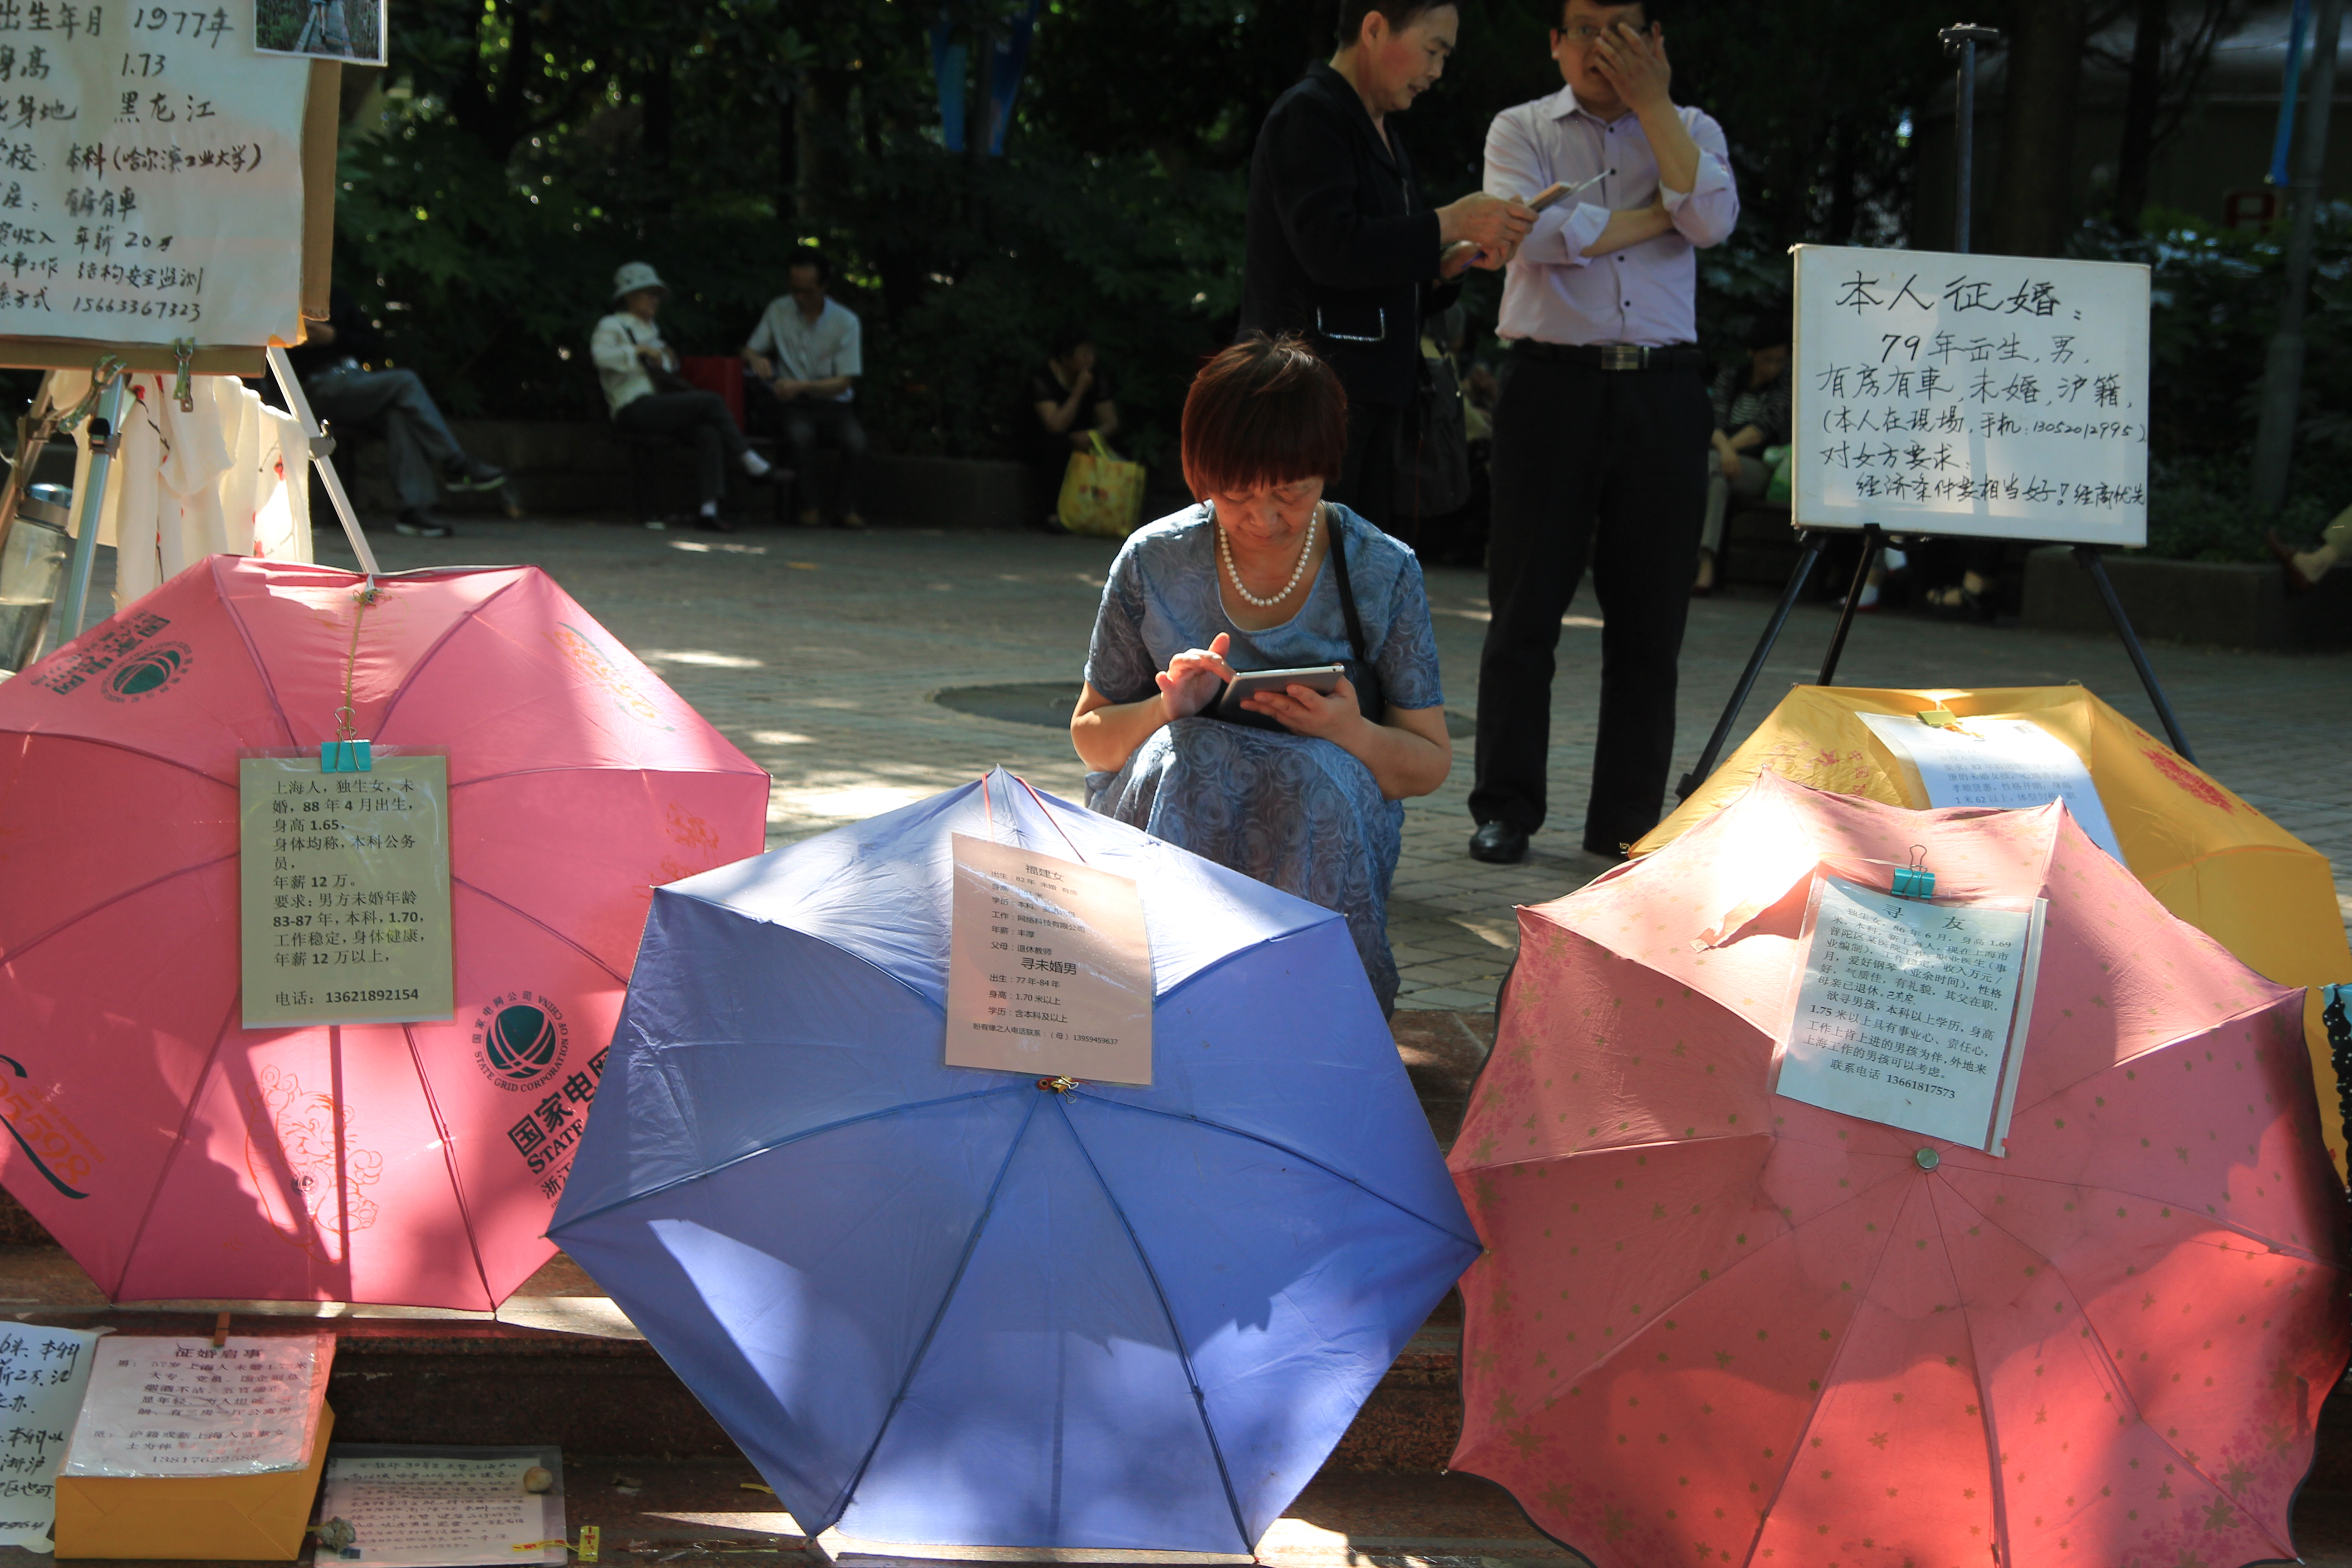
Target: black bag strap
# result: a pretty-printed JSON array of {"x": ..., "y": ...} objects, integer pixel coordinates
[{"x": 1369, "y": 697}]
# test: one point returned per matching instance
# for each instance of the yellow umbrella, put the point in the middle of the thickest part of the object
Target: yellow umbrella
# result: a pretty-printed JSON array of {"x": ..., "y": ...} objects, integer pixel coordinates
[{"x": 2208, "y": 856}]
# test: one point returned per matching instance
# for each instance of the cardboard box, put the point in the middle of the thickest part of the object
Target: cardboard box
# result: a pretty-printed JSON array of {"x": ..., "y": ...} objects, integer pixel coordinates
[{"x": 237, "y": 1518}]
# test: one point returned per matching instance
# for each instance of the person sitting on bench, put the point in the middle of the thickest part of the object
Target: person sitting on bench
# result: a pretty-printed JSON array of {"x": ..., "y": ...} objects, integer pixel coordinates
[{"x": 644, "y": 393}]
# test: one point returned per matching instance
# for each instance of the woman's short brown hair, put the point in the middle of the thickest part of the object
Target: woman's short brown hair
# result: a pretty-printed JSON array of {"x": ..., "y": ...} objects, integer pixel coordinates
[{"x": 1267, "y": 411}]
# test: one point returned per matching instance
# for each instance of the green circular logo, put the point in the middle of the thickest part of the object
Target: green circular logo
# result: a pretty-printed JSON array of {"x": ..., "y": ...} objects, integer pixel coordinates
[
  {"x": 522, "y": 1042},
  {"x": 150, "y": 671}
]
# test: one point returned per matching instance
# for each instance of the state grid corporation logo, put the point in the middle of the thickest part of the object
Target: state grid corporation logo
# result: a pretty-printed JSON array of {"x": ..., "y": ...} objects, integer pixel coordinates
[
  {"x": 152, "y": 671},
  {"x": 521, "y": 1040}
]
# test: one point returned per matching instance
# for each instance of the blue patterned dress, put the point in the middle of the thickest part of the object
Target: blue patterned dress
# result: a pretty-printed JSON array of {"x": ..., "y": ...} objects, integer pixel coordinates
[{"x": 1289, "y": 810}]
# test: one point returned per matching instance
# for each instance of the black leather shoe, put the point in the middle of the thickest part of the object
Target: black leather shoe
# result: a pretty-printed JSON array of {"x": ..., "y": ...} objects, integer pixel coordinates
[
  {"x": 1500, "y": 842},
  {"x": 1603, "y": 849}
]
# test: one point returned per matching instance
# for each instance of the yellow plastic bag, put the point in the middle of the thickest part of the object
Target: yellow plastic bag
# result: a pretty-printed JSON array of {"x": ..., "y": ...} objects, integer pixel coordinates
[{"x": 1100, "y": 494}]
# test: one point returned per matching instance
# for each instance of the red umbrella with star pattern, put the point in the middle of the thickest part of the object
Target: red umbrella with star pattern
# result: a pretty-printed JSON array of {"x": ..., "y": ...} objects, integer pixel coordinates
[{"x": 1717, "y": 1324}]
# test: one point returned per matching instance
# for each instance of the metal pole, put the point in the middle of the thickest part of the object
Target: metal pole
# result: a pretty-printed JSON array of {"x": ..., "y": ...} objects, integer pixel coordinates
[
  {"x": 1961, "y": 41},
  {"x": 2087, "y": 557},
  {"x": 103, "y": 440},
  {"x": 320, "y": 447},
  {"x": 1813, "y": 540},
  {"x": 2282, "y": 367}
]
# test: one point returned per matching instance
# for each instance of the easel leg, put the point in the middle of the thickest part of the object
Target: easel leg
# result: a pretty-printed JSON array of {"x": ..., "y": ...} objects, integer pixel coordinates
[
  {"x": 1789, "y": 596},
  {"x": 2087, "y": 557},
  {"x": 1873, "y": 541}
]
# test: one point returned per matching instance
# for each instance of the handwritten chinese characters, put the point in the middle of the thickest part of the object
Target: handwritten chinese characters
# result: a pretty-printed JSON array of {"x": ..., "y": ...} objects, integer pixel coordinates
[
  {"x": 1999, "y": 397},
  {"x": 188, "y": 1408},
  {"x": 150, "y": 174},
  {"x": 1908, "y": 1009},
  {"x": 344, "y": 880},
  {"x": 1049, "y": 969},
  {"x": 426, "y": 1509},
  {"x": 43, "y": 1373}
]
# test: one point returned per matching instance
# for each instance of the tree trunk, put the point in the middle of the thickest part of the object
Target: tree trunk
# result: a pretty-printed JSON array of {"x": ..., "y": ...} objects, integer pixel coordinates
[
  {"x": 1844, "y": 199},
  {"x": 787, "y": 161},
  {"x": 660, "y": 129},
  {"x": 2141, "y": 104},
  {"x": 2033, "y": 191}
]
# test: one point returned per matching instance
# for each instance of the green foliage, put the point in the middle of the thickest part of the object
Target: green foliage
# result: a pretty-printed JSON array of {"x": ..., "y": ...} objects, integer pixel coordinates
[{"x": 279, "y": 24}]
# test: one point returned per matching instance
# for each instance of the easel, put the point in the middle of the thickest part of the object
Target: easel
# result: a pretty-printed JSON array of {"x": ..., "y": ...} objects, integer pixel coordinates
[
  {"x": 114, "y": 365},
  {"x": 1960, "y": 42}
]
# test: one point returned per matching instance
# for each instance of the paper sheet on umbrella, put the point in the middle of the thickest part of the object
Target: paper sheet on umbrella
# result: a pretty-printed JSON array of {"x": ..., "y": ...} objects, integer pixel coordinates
[
  {"x": 1049, "y": 968},
  {"x": 444, "y": 1508},
  {"x": 43, "y": 1374},
  {"x": 1911, "y": 1011},
  {"x": 2003, "y": 763},
  {"x": 189, "y": 1408},
  {"x": 344, "y": 883}
]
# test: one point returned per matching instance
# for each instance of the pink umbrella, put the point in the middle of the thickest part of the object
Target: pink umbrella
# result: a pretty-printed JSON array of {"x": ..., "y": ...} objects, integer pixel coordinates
[
  {"x": 1720, "y": 1325},
  {"x": 179, "y": 1155}
]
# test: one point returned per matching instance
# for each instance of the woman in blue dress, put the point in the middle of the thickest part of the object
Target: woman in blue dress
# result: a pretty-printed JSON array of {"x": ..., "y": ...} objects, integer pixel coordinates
[{"x": 1252, "y": 578}]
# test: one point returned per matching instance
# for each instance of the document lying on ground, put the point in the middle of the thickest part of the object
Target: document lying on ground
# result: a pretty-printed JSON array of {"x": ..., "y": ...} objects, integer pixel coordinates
[
  {"x": 43, "y": 1374},
  {"x": 1913, "y": 1011},
  {"x": 2003, "y": 763},
  {"x": 444, "y": 1508}
]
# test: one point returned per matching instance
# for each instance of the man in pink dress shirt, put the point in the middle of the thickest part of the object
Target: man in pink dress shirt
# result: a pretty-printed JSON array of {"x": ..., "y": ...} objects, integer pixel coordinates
[{"x": 1603, "y": 421}]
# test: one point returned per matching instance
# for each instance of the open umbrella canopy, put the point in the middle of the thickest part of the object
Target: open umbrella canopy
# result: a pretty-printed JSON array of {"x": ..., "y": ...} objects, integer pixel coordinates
[
  {"x": 177, "y": 1155},
  {"x": 953, "y": 1306},
  {"x": 2210, "y": 858},
  {"x": 1717, "y": 1324}
]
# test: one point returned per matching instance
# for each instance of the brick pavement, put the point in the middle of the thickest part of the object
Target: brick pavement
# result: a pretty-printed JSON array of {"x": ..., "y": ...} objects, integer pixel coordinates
[{"x": 819, "y": 653}]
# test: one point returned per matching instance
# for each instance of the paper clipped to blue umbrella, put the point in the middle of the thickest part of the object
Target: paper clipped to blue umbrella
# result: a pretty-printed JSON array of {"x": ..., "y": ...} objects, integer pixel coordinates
[{"x": 1049, "y": 967}]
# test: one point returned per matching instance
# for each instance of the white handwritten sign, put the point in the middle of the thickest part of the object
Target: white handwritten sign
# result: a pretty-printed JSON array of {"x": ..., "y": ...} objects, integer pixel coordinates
[
  {"x": 189, "y": 1408},
  {"x": 1999, "y": 396},
  {"x": 151, "y": 178},
  {"x": 434, "y": 1510},
  {"x": 2004, "y": 763},
  {"x": 1049, "y": 968},
  {"x": 43, "y": 1373},
  {"x": 1910, "y": 1011}
]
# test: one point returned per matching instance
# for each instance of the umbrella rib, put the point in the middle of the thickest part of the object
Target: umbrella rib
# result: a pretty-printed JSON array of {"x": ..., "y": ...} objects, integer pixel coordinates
[
  {"x": 784, "y": 1142},
  {"x": 1829, "y": 1372},
  {"x": 2105, "y": 1360},
  {"x": 2000, "y": 1498},
  {"x": 178, "y": 1140},
  {"x": 12, "y": 954},
  {"x": 1284, "y": 1148},
  {"x": 1175, "y": 1334},
  {"x": 930, "y": 1332},
  {"x": 618, "y": 768},
  {"x": 449, "y": 1159},
  {"x": 416, "y": 668},
  {"x": 134, "y": 750},
  {"x": 477, "y": 889},
  {"x": 2228, "y": 1224},
  {"x": 253, "y": 652}
]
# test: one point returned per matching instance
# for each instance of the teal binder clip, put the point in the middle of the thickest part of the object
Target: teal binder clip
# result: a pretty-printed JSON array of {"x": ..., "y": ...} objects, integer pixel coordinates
[
  {"x": 345, "y": 757},
  {"x": 1914, "y": 880}
]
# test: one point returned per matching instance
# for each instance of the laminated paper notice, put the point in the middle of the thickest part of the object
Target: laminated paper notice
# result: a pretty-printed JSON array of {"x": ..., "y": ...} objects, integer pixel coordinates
[
  {"x": 43, "y": 1373},
  {"x": 427, "y": 1509},
  {"x": 1049, "y": 969},
  {"x": 189, "y": 1408},
  {"x": 344, "y": 884},
  {"x": 1911, "y": 1011},
  {"x": 2004, "y": 763}
]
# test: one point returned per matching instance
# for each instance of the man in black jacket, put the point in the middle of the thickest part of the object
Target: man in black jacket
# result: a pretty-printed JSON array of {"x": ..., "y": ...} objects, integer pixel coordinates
[{"x": 1342, "y": 249}]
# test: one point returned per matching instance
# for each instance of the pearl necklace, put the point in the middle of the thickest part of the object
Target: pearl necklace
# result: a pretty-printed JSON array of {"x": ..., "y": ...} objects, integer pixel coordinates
[{"x": 1225, "y": 549}]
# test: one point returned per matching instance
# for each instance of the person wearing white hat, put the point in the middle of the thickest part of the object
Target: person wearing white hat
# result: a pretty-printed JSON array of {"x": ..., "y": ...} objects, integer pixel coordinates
[{"x": 642, "y": 390}]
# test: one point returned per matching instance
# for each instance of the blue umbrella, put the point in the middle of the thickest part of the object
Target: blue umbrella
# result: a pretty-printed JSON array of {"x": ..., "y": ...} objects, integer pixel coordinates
[{"x": 941, "y": 1305}]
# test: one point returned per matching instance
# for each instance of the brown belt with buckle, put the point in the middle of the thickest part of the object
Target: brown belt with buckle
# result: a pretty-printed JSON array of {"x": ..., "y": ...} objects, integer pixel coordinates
[{"x": 1613, "y": 356}]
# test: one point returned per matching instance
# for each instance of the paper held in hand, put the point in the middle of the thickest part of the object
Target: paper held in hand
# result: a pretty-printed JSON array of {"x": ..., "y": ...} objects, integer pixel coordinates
[
  {"x": 1049, "y": 968},
  {"x": 1913, "y": 1012},
  {"x": 2004, "y": 763}
]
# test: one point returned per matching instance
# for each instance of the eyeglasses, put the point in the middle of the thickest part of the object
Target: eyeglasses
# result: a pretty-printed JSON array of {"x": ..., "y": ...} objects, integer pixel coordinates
[{"x": 1583, "y": 37}]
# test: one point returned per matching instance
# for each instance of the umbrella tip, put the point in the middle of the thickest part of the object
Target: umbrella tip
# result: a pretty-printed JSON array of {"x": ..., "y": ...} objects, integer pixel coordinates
[{"x": 1928, "y": 1159}]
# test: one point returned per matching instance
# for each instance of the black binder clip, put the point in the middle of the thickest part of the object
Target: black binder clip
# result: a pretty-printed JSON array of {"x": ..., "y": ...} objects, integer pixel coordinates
[{"x": 1914, "y": 880}]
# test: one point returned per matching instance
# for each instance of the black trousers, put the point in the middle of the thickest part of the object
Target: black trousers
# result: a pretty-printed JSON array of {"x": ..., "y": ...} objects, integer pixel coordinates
[
  {"x": 1368, "y": 482},
  {"x": 1604, "y": 465},
  {"x": 699, "y": 417}
]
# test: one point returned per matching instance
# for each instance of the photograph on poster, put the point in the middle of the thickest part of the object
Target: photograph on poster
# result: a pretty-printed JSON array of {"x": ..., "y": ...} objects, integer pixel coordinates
[{"x": 348, "y": 30}]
